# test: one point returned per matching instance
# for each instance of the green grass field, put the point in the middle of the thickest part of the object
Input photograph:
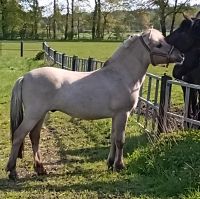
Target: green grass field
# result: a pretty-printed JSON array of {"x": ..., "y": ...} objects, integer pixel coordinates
[{"x": 75, "y": 151}]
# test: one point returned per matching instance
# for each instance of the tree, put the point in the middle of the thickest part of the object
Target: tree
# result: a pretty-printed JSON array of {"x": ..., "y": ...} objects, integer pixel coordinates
[
  {"x": 166, "y": 9},
  {"x": 4, "y": 25},
  {"x": 54, "y": 18},
  {"x": 67, "y": 20},
  {"x": 178, "y": 9},
  {"x": 36, "y": 17},
  {"x": 11, "y": 18},
  {"x": 163, "y": 8},
  {"x": 94, "y": 19},
  {"x": 108, "y": 6},
  {"x": 98, "y": 30},
  {"x": 72, "y": 19},
  {"x": 34, "y": 14}
]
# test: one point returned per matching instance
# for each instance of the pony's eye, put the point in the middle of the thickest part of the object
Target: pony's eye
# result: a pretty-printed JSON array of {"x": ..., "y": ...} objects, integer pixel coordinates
[{"x": 159, "y": 45}]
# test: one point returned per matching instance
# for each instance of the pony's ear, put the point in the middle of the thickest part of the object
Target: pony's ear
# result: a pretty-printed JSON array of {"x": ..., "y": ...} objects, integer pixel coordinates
[
  {"x": 196, "y": 28},
  {"x": 186, "y": 24},
  {"x": 185, "y": 16},
  {"x": 197, "y": 15}
]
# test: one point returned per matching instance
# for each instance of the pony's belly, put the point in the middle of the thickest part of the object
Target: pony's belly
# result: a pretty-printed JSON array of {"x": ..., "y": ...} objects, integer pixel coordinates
[
  {"x": 97, "y": 110},
  {"x": 87, "y": 114}
]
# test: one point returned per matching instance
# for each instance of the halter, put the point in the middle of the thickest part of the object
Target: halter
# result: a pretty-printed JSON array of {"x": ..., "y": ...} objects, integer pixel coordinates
[{"x": 154, "y": 53}]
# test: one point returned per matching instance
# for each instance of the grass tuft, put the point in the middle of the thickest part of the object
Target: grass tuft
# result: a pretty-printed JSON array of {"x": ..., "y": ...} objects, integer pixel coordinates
[{"x": 173, "y": 162}]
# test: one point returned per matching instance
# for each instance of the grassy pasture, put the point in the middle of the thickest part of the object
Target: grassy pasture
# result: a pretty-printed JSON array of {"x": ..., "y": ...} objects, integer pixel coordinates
[{"x": 75, "y": 151}]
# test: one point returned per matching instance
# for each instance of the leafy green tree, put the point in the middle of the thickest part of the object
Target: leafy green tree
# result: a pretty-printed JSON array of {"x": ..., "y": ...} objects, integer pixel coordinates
[
  {"x": 94, "y": 20},
  {"x": 34, "y": 15},
  {"x": 108, "y": 6},
  {"x": 11, "y": 18},
  {"x": 67, "y": 20},
  {"x": 163, "y": 8},
  {"x": 3, "y": 11}
]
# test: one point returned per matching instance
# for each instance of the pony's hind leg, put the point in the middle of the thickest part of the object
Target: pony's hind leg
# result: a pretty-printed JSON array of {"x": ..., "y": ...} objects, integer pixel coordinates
[
  {"x": 18, "y": 137},
  {"x": 119, "y": 126},
  {"x": 35, "y": 138}
]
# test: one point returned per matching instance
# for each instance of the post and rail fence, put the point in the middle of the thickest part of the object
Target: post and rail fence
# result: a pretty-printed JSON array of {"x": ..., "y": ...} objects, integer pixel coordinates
[
  {"x": 154, "y": 99},
  {"x": 20, "y": 47},
  {"x": 73, "y": 63}
]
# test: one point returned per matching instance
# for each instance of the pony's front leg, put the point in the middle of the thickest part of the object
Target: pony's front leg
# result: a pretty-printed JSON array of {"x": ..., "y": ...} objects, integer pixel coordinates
[
  {"x": 120, "y": 121},
  {"x": 111, "y": 156}
]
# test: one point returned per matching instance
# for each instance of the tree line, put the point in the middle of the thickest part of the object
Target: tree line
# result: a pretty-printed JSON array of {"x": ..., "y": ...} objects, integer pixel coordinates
[{"x": 77, "y": 19}]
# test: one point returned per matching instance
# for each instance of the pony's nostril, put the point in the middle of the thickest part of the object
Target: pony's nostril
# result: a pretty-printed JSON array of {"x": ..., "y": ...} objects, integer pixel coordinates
[{"x": 182, "y": 57}]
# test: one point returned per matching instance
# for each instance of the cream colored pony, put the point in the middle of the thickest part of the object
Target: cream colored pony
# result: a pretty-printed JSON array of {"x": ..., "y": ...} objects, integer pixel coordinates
[{"x": 110, "y": 92}]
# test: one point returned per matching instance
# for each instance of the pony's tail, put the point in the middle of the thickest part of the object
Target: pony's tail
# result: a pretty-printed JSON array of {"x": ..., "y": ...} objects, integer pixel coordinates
[{"x": 16, "y": 111}]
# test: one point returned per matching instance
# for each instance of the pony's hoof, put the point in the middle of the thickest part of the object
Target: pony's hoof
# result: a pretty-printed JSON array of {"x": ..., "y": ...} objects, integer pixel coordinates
[
  {"x": 13, "y": 176},
  {"x": 110, "y": 164},
  {"x": 119, "y": 167},
  {"x": 40, "y": 170},
  {"x": 42, "y": 173},
  {"x": 110, "y": 168}
]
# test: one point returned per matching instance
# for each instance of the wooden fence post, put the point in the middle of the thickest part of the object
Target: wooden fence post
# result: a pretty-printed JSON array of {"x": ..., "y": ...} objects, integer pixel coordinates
[
  {"x": 54, "y": 56},
  {"x": 44, "y": 48},
  {"x": 75, "y": 63},
  {"x": 21, "y": 48},
  {"x": 62, "y": 60},
  {"x": 90, "y": 64},
  {"x": 0, "y": 48},
  {"x": 48, "y": 52},
  {"x": 162, "y": 123},
  {"x": 43, "y": 45}
]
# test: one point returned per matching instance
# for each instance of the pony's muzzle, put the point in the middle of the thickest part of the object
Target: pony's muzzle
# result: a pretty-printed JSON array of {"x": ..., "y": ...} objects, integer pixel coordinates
[{"x": 181, "y": 58}]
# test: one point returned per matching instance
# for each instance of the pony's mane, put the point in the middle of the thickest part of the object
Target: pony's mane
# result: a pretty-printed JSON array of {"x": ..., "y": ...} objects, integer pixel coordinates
[
  {"x": 126, "y": 44},
  {"x": 148, "y": 31}
]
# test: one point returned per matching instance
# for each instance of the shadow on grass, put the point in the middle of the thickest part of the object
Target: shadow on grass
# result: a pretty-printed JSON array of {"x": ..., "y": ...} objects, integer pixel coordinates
[
  {"x": 112, "y": 188},
  {"x": 133, "y": 186},
  {"x": 98, "y": 152}
]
